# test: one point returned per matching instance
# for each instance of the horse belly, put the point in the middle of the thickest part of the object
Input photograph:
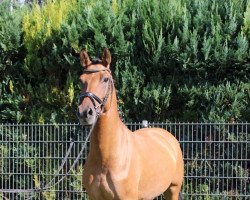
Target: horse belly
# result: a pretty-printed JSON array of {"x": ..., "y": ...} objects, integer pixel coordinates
[
  {"x": 158, "y": 163},
  {"x": 155, "y": 179}
]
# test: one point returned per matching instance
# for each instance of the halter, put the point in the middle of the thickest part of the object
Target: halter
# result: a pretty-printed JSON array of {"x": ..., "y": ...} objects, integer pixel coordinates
[{"x": 95, "y": 98}]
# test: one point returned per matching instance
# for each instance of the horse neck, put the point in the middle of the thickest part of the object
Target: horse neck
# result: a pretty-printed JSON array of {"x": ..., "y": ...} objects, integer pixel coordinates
[{"x": 109, "y": 135}]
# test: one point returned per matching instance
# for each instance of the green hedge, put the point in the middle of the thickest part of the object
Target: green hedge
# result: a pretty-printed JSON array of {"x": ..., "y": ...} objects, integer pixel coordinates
[{"x": 182, "y": 60}]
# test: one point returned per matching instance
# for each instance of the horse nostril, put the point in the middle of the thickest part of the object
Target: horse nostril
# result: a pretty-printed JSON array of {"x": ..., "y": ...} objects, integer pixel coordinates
[
  {"x": 90, "y": 112},
  {"x": 85, "y": 114}
]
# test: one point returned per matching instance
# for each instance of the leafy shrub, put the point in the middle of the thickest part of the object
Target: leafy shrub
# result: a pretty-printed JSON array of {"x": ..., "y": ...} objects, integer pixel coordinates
[{"x": 172, "y": 60}]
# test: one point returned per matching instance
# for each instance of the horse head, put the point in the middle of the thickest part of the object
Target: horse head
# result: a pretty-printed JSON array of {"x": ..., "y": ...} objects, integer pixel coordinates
[{"x": 97, "y": 85}]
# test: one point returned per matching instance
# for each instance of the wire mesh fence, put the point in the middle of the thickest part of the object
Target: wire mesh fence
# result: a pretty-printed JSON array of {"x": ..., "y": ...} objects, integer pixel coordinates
[{"x": 216, "y": 155}]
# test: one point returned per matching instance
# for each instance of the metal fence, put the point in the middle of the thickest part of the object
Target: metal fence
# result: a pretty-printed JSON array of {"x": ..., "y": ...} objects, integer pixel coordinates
[{"x": 217, "y": 160}]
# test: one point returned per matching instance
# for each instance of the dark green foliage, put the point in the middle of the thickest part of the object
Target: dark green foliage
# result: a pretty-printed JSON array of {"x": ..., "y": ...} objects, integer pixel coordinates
[
  {"x": 172, "y": 60},
  {"x": 216, "y": 103},
  {"x": 11, "y": 61}
]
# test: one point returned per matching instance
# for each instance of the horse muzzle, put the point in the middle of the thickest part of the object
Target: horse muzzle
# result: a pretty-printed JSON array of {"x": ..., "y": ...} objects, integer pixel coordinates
[{"x": 86, "y": 116}]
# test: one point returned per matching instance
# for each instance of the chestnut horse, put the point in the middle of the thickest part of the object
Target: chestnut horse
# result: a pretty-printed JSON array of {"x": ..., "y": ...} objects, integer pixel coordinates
[{"x": 122, "y": 164}]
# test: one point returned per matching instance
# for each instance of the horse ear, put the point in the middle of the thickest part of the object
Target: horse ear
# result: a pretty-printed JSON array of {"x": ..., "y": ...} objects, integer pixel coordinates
[
  {"x": 106, "y": 57},
  {"x": 84, "y": 58}
]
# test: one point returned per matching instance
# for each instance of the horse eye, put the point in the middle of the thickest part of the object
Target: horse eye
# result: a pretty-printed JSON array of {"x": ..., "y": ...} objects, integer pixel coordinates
[{"x": 105, "y": 79}]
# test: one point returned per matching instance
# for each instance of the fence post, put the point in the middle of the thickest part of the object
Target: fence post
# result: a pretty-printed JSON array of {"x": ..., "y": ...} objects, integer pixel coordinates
[{"x": 144, "y": 123}]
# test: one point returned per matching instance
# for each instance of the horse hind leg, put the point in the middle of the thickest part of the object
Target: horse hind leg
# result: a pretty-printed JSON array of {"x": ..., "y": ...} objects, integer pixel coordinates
[
  {"x": 174, "y": 190},
  {"x": 173, "y": 193}
]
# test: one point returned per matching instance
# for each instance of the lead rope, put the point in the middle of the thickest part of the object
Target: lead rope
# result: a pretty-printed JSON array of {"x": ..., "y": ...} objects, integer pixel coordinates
[
  {"x": 72, "y": 166},
  {"x": 48, "y": 185}
]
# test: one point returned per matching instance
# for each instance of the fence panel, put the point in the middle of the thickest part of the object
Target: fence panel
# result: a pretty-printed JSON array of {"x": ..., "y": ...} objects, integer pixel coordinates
[{"x": 217, "y": 160}]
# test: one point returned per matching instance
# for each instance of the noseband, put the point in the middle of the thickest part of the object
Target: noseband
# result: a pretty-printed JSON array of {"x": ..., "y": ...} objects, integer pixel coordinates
[{"x": 95, "y": 98}]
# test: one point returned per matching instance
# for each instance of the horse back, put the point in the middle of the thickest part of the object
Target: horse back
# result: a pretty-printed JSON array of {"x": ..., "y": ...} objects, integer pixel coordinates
[{"x": 150, "y": 138}]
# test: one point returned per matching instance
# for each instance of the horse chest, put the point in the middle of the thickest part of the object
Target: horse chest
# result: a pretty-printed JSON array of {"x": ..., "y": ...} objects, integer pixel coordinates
[{"x": 100, "y": 188}]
